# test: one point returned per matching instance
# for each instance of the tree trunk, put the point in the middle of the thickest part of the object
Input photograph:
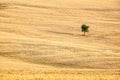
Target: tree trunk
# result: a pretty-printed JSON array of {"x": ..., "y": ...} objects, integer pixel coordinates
[{"x": 84, "y": 33}]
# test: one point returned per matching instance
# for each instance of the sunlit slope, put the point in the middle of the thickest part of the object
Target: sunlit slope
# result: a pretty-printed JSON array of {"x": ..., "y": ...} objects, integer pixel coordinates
[{"x": 48, "y": 32}]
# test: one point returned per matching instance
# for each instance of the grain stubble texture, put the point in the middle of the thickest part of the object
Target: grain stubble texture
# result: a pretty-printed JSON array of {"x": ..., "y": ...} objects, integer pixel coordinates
[{"x": 45, "y": 35}]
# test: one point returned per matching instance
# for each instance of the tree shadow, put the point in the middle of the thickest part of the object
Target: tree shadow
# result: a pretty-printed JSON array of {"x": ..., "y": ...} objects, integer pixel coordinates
[{"x": 60, "y": 32}]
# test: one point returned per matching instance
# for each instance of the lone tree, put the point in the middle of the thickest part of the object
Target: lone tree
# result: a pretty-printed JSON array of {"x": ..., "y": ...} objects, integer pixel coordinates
[{"x": 84, "y": 28}]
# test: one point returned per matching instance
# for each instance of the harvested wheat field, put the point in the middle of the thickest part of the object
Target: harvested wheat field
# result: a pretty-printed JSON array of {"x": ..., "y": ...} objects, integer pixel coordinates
[{"x": 42, "y": 40}]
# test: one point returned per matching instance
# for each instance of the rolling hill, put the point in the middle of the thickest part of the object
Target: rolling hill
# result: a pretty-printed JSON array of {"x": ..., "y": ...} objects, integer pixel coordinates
[{"x": 45, "y": 36}]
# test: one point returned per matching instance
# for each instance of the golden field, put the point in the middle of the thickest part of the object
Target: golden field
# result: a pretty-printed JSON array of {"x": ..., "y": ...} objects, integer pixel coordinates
[{"x": 42, "y": 40}]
